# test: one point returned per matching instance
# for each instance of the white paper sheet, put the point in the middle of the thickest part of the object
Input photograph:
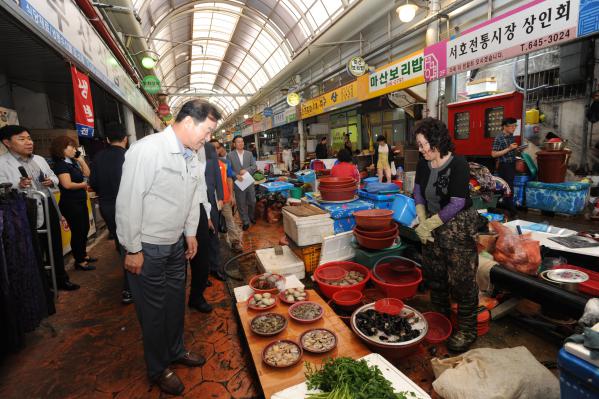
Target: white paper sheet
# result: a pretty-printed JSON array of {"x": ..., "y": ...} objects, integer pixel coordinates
[{"x": 247, "y": 181}]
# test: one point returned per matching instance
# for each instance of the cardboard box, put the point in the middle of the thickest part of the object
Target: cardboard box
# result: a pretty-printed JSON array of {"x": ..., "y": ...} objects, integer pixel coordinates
[{"x": 42, "y": 139}]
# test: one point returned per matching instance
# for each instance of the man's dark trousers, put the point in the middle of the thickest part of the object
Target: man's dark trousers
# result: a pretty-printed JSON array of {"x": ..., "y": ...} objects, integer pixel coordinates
[
  {"x": 207, "y": 255},
  {"x": 159, "y": 296},
  {"x": 107, "y": 210}
]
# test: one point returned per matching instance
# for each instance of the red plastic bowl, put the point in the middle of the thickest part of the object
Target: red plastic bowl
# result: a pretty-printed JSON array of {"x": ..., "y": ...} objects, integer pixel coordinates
[
  {"x": 405, "y": 287},
  {"x": 331, "y": 274},
  {"x": 348, "y": 298},
  {"x": 375, "y": 243},
  {"x": 301, "y": 352},
  {"x": 337, "y": 188},
  {"x": 392, "y": 306},
  {"x": 342, "y": 194},
  {"x": 334, "y": 181},
  {"x": 329, "y": 290},
  {"x": 392, "y": 231},
  {"x": 259, "y": 309},
  {"x": 374, "y": 213},
  {"x": 273, "y": 291},
  {"x": 305, "y": 321},
  {"x": 306, "y": 349},
  {"x": 374, "y": 219},
  {"x": 283, "y": 298},
  {"x": 439, "y": 327}
]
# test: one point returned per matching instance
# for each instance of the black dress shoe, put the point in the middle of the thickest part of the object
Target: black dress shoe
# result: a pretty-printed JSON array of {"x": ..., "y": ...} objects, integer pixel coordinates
[
  {"x": 201, "y": 306},
  {"x": 191, "y": 359},
  {"x": 89, "y": 259},
  {"x": 245, "y": 227},
  {"x": 208, "y": 283},
  {"x": 170, "y": 383},
  {"x": 68, "y": 286},
  {"x": 126, "y": 297},
  {"x": 86, "y": 268},
  {"x": 218, "y": 275}
]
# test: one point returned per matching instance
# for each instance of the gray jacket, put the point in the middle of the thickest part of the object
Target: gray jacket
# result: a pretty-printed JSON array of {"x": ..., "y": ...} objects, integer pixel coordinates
[{"x": 249, "y": 163}]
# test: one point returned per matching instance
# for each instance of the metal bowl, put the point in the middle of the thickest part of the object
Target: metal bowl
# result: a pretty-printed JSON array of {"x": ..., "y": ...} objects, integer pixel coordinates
[
  {"x": 554, "y": 146},
  {"x": 421, "y": 324}
]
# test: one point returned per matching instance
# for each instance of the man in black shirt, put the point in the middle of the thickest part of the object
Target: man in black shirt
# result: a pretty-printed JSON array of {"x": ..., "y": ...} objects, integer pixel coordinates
[
  {"x": 322, "y": 151},
  {"x": 105, "y": 179}
]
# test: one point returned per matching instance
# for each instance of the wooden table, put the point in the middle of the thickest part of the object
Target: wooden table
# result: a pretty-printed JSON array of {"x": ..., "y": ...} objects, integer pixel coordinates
[{"x": 274, "y": 380}]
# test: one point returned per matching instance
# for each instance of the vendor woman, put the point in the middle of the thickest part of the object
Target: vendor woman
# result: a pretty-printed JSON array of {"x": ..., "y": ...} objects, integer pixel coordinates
[{"x": 447, "y": 228}]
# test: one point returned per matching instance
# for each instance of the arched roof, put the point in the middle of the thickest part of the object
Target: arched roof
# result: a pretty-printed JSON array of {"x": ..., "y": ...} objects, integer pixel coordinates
[{"x": 230, "y": 46}]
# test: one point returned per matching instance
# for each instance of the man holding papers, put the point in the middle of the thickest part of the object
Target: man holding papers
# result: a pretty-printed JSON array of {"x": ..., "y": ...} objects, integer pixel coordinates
[{"x": 244, "y": 166}]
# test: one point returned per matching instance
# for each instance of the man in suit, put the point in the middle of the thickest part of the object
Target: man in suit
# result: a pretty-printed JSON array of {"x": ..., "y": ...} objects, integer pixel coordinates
[
  {"x": 105, "y": 178},
  {"x": 243, "y": 161},
  {"x": 207, "y": 259},
  {"x": 19, "y": 144}
]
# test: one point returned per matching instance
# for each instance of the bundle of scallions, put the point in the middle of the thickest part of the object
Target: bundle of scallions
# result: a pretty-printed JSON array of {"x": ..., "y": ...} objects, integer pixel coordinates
[{"x": 346, "y": 378}]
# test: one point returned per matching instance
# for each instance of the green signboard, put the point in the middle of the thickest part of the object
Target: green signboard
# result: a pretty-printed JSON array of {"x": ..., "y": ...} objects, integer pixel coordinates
[{"x": 151, "y": 84}]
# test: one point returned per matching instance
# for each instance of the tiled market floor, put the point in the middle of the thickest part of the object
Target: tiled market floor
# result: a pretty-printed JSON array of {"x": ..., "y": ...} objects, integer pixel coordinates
[{"x": 92, "y": 347}]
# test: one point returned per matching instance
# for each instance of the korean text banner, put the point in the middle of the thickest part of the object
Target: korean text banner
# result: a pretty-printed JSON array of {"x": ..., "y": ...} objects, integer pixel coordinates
[
  {"x": 334, "y": 99},
  {"x": 405, "y": 72},
  {"x": 84, "y": 108},
  {"x": 533, "y": 26}
]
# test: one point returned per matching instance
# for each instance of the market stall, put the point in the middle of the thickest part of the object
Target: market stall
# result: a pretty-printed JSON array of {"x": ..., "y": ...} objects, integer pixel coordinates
[{"x": 274, "y": 379}]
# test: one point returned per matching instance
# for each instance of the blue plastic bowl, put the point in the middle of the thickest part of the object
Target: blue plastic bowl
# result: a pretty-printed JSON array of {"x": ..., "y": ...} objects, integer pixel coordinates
[{"x": 404, "y": 210}]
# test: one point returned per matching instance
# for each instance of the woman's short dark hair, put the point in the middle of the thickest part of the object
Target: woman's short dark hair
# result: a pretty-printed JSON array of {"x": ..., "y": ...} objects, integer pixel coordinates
[
  {"x": 380, "y": 138},
  {"x": 58, "y": 146},
  {"x": 199, "y": 110},
  {"x": 437, "y": 135},
  {"x": 344, "y": 155}
]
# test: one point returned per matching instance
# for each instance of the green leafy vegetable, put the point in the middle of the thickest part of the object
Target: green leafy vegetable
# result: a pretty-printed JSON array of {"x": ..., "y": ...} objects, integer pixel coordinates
[{"x": 346, "y": 378}]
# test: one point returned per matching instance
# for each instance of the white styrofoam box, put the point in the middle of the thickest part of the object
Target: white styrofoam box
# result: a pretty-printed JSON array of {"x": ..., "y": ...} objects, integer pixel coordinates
[
  {"x": 286, "y": 264},
  {"x": 243, "y": 293},
  {"x": 481, "y": 86},
  {"x": 399, "y": 381},
  {"x": 337, "y": 248},
  {"x": 307, "y": 230},
  {"x": 579, "y": 350}
]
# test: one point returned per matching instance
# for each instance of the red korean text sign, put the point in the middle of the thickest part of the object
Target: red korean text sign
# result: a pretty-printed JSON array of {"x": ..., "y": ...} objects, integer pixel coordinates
[{"x": 84, "y": 108}]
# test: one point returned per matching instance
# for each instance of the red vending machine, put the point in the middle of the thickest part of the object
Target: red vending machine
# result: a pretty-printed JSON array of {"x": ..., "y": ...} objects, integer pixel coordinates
[{"x": 473, "y": 124}]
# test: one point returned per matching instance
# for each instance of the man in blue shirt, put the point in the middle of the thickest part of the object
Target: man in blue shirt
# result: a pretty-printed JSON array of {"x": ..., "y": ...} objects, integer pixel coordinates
[{"x": 504, "y": 149}]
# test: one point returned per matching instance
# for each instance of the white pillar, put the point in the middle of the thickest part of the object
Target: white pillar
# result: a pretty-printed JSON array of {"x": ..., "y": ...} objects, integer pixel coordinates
[
  {"x": 432, "y": 88},
  {"x": 300, "y": 129},
  {"x": 129, "y": 124}
]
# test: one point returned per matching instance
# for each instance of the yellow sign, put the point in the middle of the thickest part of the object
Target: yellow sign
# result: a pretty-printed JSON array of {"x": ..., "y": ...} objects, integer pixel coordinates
[
  {"x": 334, "y": 99},
  {"x": 400, "y": 74},
  {"x": 65, "y": 231},
  {"x": 293, "y": 99}
]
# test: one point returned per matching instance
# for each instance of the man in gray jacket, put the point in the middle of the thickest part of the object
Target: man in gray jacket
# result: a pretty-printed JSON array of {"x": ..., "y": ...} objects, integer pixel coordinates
[
  {"x": 157, "y": 214},
  {"x": 241, "y": 162}
]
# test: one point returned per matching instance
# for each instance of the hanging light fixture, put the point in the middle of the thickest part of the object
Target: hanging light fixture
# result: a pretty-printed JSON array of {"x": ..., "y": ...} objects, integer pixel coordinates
[
  {"x": 407, "y": 12},
  {"x": 148, "y": 62}
]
